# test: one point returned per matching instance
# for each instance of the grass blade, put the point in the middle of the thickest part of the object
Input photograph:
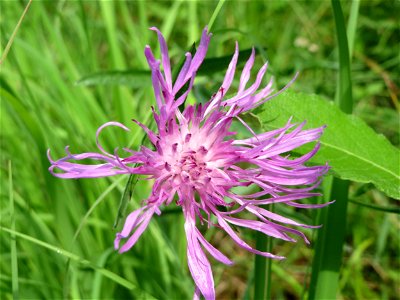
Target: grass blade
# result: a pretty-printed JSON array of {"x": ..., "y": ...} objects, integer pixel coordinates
[
  {"x": 14, "y": 254},
  {"x": 328, "y": 254},
  {"x": 352, "y": 25},
  {"x": 394, "y": 210},
  {"x": 10, "y": 42},
  {"x": 215, "y": 14},
  {"x": 114, "y": 277},
  {"x": 262, "y": 268},
  {"x": 132, "y": 78},
  {"x": 328, "y": 250},
  {"x": 344, "y": 98}
]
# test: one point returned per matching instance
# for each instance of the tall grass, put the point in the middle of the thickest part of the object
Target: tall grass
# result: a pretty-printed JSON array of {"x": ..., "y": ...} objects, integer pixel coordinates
[{"x": 57, "y": 235}]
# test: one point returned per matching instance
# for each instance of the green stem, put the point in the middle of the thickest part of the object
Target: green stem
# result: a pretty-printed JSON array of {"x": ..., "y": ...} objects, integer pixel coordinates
[
  {"x": 14, "y": 254},
  {"x": 215, "y": 14},
  {"x": 262, "y": 267},
  {"x": 11, "y": 40},
  {"x": 328, "y": 252}
]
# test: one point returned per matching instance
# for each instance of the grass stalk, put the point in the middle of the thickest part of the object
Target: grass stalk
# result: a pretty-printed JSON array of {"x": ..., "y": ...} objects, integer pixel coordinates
[
  {"x": 10, "y": 42},
  {"x": 263, "y": 267},
  {"x": 352, "y": 25},
  {"x": 215, "y": 14},
  {"x": 14, "y": 254},
  {"x": 328, "y": 253},
  {"x": 260, "y": 268}
]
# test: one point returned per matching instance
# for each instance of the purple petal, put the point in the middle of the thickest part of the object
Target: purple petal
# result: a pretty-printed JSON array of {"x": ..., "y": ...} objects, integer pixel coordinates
[
  {"x": 199, "y": 266},
  {"x": 231, "y": 70},
  {"x": 154, "y": 66},
  {"x": 240, "y": 242},
  {"x": 117, "y": 124},
  {"x": 244, "y": 78},
  {"x": 212, "y": 250},
  {"x": 146, "y": 217},
  {"x": 164, "y": 58},
  {"x": 131, "y": 221},
  {"x": 182, "y": 74}
]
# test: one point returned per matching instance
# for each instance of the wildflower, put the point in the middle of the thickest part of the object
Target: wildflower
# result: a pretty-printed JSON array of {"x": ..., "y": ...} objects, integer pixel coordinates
[{"x": 197, "y": 162}]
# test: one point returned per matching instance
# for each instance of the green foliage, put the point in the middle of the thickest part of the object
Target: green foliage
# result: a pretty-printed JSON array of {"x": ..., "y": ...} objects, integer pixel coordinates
[{"x": 131, "y": 78}]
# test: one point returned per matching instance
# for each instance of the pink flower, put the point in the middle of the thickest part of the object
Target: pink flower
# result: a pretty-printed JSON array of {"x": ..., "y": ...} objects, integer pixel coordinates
[{"x": 197, "y": 161}]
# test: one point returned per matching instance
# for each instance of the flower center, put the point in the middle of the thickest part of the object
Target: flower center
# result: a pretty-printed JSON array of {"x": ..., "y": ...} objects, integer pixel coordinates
[
  {"x": 192, "y": 167},
  {"x": 189, "y": 166}
]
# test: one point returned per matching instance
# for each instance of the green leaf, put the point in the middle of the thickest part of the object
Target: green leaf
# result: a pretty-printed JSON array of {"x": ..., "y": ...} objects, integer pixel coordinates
[
  {"x": 252, "y": 120},
  {"x": 131, "y": 78},
  {"x": 140, "y": 78},
  {"x": 218, "y": 64},
  {"x": 352, "y": 149}
]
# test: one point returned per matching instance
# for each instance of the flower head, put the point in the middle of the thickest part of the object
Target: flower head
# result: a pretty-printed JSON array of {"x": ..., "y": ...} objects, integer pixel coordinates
[{"x": 197, "y": 162}]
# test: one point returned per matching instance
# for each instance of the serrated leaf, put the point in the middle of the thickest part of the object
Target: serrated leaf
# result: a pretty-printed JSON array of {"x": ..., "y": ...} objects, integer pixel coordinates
[
  {"x": 352, "y": 149},
  {"x": 131, "y": 78}
]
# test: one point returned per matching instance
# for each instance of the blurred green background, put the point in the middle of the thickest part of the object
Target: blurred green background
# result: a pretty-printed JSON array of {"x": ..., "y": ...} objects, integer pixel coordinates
[{"x": 66, "y": 252}]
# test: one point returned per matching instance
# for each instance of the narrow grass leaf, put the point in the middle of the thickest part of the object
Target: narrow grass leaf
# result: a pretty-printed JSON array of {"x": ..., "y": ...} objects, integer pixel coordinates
[
  {"x": 11, "y": 40},
  {"x": 394, "y": 210},
  {"x": 260, "y": 268},
  {"x": 114, "y": 277},
  {"x": 328, "y": 250},
  {"x": 169, "y": 19},
  {"x": 352, "y": 25},
  {"x": 14, "y": 254},
  {"x": 131, "y": 78},
  {"x": 215, "y": 14},
  {"x": 96, "y": 287},
  {"x": 287, "y": 275},
  {"x": 95, "y": 204},
  {"x": 263, "y": 266},
  {"x": 328, "y": 256}
]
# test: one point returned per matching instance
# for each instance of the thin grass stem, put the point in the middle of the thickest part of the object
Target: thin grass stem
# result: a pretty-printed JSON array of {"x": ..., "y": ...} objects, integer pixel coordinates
[
  {"x": 215, "y": 14},
  {"x": 14, "y": 254},
  {"x": 10, "y": 42}
]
